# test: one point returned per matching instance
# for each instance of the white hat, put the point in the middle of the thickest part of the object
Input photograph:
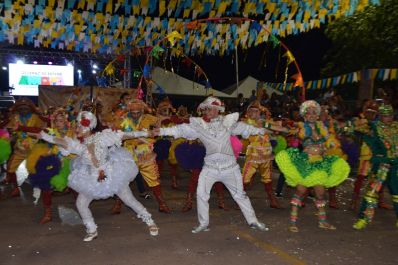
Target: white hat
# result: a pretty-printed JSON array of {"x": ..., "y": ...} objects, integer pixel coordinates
[
  {"x": 86, "y": 120},
  {"x": 309, "y": 104},
  {"x": 212, "y": 102}
]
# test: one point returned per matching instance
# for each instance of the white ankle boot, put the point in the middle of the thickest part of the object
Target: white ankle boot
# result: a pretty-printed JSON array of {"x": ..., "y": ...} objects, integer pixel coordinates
[
  {"x": 259, "y": 226},
  {"x": 200, "y": 228},
  {"x": 90, "y": 236}
]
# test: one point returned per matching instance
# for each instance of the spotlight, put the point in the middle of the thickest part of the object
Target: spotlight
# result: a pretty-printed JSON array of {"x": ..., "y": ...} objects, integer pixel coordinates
[
  {"x": 69, "y": 64},
  {"x": 4, "y": 68},
  {"x": 95, "y": 66},
  {"x": 19, "y": 62},
  {"x": 34, "y": 62},
  {"x": 94, "y": 72},
  {"x": 50, "y": 63},
  {"x": 79, "y": 71}
]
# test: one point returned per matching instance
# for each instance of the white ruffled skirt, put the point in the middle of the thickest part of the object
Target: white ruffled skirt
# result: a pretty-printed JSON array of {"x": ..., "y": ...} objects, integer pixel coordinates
[{"x": 120, "y": 170}]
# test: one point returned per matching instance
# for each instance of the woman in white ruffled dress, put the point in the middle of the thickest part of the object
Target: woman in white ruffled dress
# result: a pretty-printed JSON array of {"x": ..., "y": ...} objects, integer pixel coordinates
[{"x": 101, "y": 170}]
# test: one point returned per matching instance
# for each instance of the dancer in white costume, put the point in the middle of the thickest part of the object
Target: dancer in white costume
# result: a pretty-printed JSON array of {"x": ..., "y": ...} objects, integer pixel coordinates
[
  {"x": 220, "y": 164},
  {"x": 101, "y": 170}
]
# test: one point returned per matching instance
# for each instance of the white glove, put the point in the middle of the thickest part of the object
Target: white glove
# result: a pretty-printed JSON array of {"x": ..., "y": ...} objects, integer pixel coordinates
[{"x": 46, "y": 137}]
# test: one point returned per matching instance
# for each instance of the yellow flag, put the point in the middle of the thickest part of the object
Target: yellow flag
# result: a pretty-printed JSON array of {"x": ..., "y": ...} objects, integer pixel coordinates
[
  {"x": 109, "y": 5},
  {"x": 20, "y": 39},
  {"x": 173, "y": 36},
  {"x": 81, "y": 4},
  {"x": 162, "y": 7},
  {"x": 289, "y": 56},
  {"x": 221, "y": 8},
  {"x": 186, "y": 13},
  {"x": 393, "y": 74}
]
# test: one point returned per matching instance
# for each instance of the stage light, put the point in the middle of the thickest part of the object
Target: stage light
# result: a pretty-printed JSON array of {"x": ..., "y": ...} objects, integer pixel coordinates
[
  {"x": 34, "y": 62},
  {"x": 94, "y": 72},
  {"x": 79, "y": 71},
  {"x": 50, "y": 63},
  {"x": 95, "y": 66},
  {"x": 4, "y": 68},
  {"x": 69, "y": 64},
  {"x": 20, "y": 62}
]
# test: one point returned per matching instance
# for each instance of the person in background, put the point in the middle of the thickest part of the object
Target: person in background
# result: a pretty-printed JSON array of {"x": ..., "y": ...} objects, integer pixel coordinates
[{"x": 25, "y": 119}]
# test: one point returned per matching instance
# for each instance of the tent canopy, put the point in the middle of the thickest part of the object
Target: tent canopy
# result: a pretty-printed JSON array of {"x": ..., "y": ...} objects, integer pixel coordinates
[
  {"x": 173, "y": 84},
  {"x": 246, "y": 86}
]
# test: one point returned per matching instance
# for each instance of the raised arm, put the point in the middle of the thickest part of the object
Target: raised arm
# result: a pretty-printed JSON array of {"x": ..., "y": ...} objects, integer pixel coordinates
[
  {"x": 60, "y": 141},
  {"x": 244, "y": 129},
  {"x": 67, "y": 145},
  {"x": 180, "y": 131}
]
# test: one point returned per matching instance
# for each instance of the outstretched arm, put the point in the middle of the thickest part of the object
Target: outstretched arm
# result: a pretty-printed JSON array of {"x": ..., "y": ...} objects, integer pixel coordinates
[
  {"x": 136, "y": 134},
  {"x": 60, "y": 141},
  {"x": 244, "y": 129},
  {"x": 179, "y": 131}
]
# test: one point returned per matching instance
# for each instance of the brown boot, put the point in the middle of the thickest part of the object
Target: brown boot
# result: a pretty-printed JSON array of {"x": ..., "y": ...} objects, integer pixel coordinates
[
  {"x": 332, "y": 198},
  {"x": 117, "y": 207},
  {"x": 47, "y": 216},
  {"x": 15, "y": 192},
  {"x": 188, "y": 203},
  {"x": 157, "y": 192},
  {"x": 47, "y": 202},
  {"x": 12, "y": 178},
  {"x": 270, "y": 194}
]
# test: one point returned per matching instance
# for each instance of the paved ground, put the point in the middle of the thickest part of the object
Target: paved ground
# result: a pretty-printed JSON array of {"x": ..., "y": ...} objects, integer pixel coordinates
[{"x": 123, "y": 239}]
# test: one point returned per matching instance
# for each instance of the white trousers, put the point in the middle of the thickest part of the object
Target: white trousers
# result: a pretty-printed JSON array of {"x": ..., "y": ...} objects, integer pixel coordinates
[
  {"x": 125, "y": 194},
  {"x": 232, "y": 179}
]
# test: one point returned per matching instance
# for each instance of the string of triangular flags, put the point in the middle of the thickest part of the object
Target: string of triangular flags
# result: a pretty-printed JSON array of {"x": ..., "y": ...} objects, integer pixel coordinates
[
  {"x": 325, "y": 83},
  {"x": 111, "y": 26}
]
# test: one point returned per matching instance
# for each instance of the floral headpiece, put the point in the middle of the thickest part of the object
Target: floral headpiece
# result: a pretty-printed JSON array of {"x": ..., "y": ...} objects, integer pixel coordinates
[
  {"x": 212, "y": 102},
  {"x": 309, "y": 104},
  {"x": 58, "y": 112},
  {"x": 86, "y": 120},
  {"x": 386, "y": 109}
]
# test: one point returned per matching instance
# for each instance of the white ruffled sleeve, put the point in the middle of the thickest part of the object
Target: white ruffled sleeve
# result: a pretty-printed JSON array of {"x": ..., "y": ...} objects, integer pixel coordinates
[
  {"x": 244, "y": 129},
  {"x": 135, "y": 134},
  {"x": 180, "y": 131},
  {"x": 109, "y": 137}
]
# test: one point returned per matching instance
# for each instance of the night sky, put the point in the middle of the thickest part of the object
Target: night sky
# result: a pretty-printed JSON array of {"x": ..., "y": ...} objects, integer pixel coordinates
[{"x": 308, "y": 49}]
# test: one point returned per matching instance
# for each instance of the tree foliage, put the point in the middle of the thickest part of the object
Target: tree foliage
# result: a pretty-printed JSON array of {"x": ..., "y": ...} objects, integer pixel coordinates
[{"x": 368, "y": 39}]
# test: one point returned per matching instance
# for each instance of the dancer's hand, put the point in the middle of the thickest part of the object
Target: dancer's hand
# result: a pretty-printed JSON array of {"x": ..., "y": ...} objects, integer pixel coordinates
[{"x": 101, "y": 176}]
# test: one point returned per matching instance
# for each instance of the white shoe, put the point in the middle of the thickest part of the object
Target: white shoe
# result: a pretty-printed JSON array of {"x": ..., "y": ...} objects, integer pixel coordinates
[
  {"x": 259, "y": 226},
  {"x": 153, "y": 230},
  {"x": 200, "y": 228},
  {"x": 90, "y": 236}
]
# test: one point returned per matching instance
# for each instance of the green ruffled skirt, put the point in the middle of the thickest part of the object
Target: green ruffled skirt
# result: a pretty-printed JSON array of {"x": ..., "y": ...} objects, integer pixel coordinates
[{"x": 329, "y": 171}]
